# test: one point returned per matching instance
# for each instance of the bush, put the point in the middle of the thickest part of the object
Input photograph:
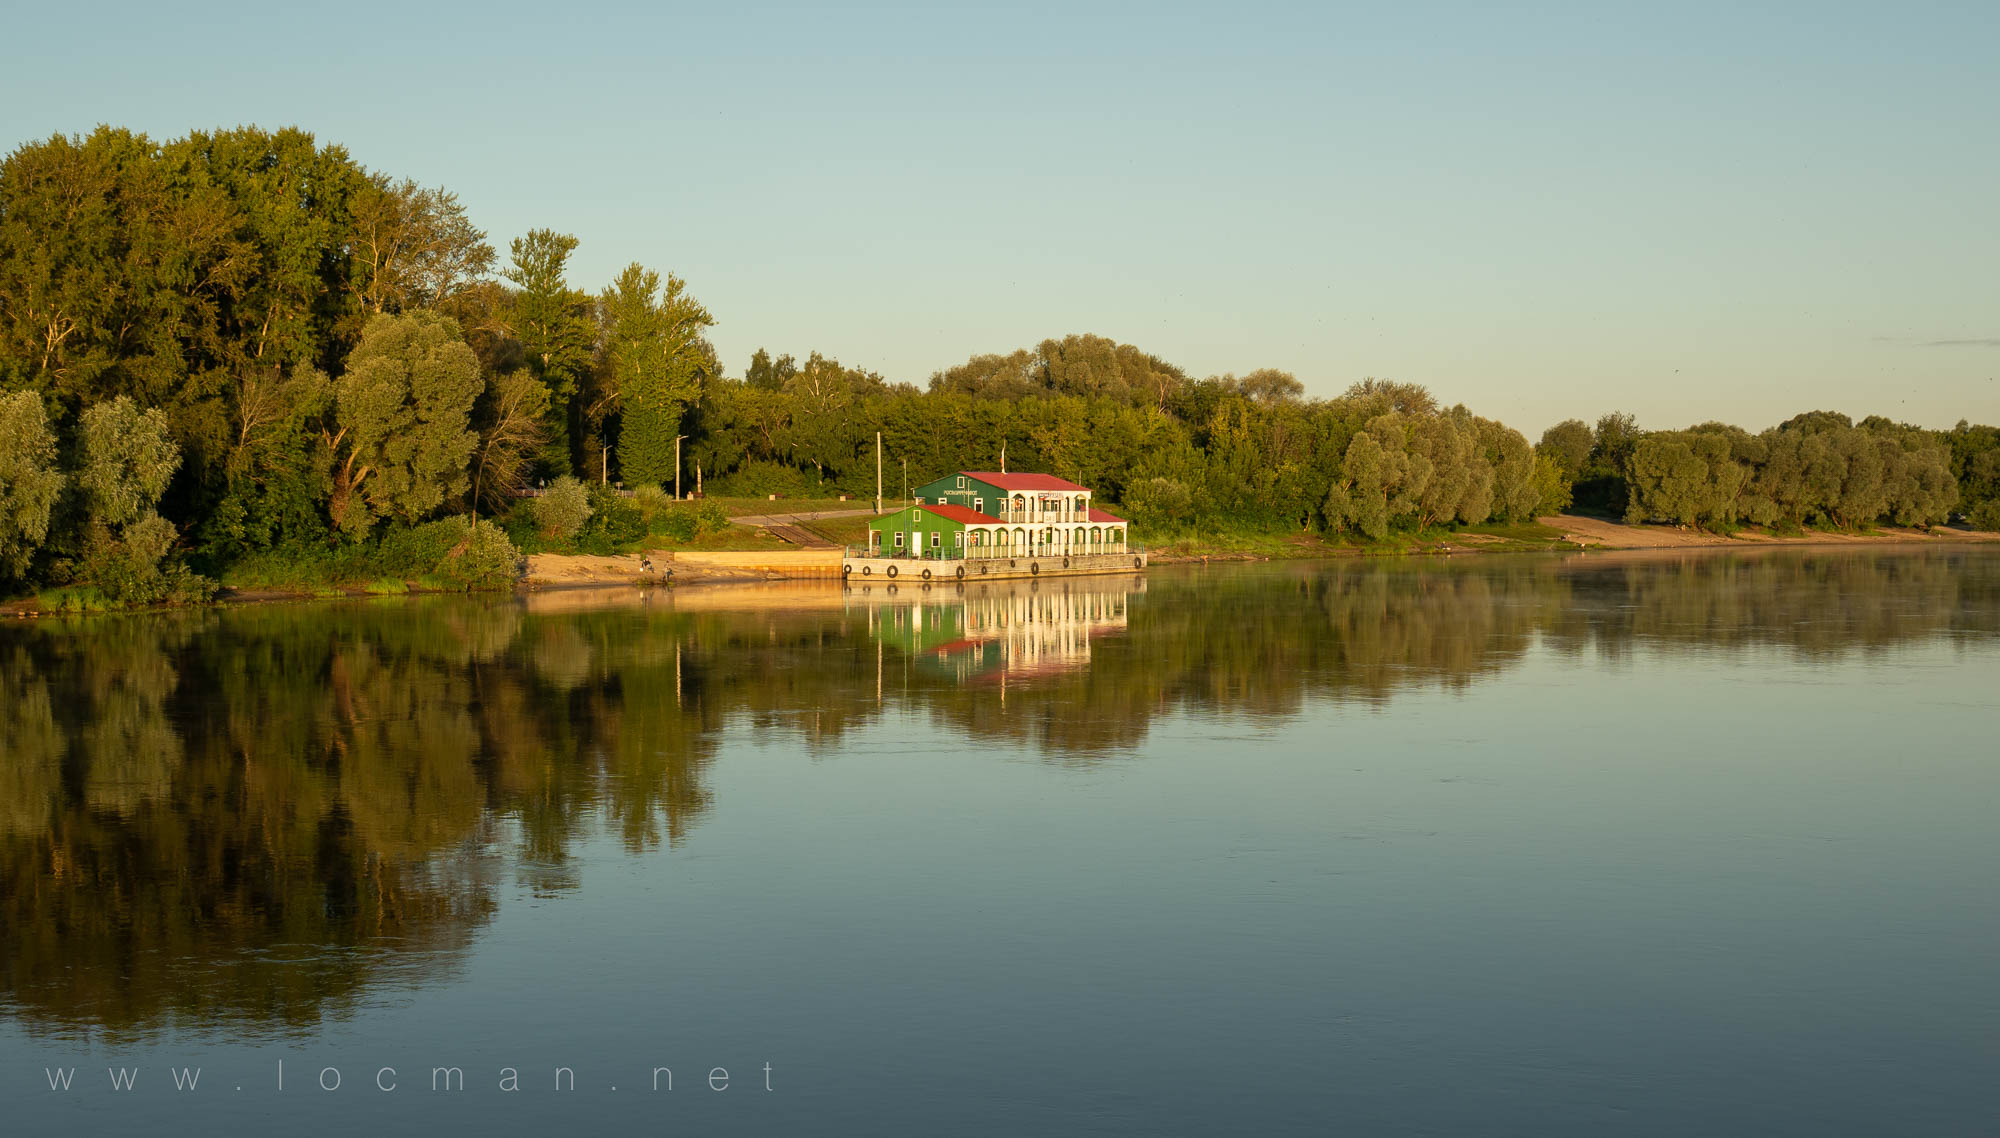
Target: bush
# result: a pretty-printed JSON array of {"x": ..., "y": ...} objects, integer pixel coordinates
[
  {"x": 615, "y": 522},
  {"x": 1985, "y": 515},
  {"x": 407, "y": 552},
  {"x": 561, "y": 511},
  {"x": 482, "y": 559},
  {"x": 446, "y": 554},
  {"x": 137, "y": 566},
  {"x": 1159, "y": 502},
  {"x": 758, "y": 478},
  {"x": 689, "y": 521}
]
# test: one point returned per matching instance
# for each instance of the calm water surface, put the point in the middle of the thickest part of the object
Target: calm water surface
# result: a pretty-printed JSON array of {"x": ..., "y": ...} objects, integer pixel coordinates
[{"x": 1642, "y": 845}]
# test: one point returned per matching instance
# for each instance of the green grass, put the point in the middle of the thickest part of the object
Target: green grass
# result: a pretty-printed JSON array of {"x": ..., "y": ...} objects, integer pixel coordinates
[
  {"x": 74, "y": 598},
  {"x": 1496, "y": 537},
  {"x": 739, "y": 507},
  {"x": 840, "y": 531},
  {"x": 386, "y": 587}
]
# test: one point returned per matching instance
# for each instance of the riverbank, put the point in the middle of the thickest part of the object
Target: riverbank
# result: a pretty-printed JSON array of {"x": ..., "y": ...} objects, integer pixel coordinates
[
  {"x": 1559, "y": 533},
  {"x": 1555, "y": 533}
]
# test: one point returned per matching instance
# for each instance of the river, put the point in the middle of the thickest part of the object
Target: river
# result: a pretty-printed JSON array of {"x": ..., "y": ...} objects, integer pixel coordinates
[{"x": 1586, "y": 845}]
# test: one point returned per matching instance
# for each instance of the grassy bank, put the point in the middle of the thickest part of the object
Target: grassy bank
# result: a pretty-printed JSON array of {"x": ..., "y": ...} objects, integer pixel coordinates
[{"x": 1494, "y": 537}]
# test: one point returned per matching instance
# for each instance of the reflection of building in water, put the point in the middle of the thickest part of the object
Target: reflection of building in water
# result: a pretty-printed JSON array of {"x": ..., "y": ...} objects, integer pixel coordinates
[{"x": 1006, "y": 629}]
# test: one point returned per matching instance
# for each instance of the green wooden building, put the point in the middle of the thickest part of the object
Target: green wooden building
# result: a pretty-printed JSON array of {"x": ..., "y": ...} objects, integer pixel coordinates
[{"x": 990, "y": 514}]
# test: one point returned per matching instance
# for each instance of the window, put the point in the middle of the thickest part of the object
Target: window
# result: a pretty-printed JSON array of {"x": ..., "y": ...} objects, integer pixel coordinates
[
  {"x": 961, "y": 482},
  {"x": 920, "y": 499},
  {"x": 937, "y": 539},
  {"x": 979, "y": 505},
  {"x": 899, "y": 539},
  {"x": 958, "y": 540}
]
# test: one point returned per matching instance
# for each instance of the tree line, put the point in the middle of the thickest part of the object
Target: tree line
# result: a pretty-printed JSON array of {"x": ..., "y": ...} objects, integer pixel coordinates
[{"x": 244, "y": 341}]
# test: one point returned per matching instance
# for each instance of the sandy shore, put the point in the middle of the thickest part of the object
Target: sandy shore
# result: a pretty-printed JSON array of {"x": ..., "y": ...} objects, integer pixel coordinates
[{"x": 1604, "y": 534}]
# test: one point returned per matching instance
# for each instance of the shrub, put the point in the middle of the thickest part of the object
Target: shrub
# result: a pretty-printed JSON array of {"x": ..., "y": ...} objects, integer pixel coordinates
[
  {"x": 757, "y": 478},
  {"x": 1986, "y": 515},
  {"x": 561, "y": 511},
  {"x": 482, "y": 559},
  {"x": 615, "y": 522},
  {"x": 413, "y": 551},
  {"x": 1159, "y": 502},
  {"x": 447, "y": 554},
  {"x": 689, "y": 521},
  {"x": 134, "y": 564}
]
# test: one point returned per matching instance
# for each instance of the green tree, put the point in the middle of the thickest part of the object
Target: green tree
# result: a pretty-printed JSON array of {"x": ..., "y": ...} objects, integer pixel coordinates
[
  {"x": 125, "y": 461},
  {"x": 30, "y": 481},
  {"x": 275, "y": 476},
  {"x": 562, "y": 509},
  {"x": 1552, "y": 487},
  {"x": 654, "y": 363},
  {"x": 767, "y": 374},
  {"x": 1568, "y": 444},
  {"x": 552, "y": 323},
  {"x": 512, "y": 423},
  {"x": 414, "y": 247},
  {"x": 403, "y": 411}
]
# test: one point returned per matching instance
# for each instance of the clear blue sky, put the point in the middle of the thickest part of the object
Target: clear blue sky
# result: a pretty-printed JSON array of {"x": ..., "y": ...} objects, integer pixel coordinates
[{"x": 1687, "y": 211}]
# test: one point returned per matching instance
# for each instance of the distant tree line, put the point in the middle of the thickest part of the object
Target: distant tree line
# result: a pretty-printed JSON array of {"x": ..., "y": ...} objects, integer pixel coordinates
[
  {"x": 1819, "y": 469},
  {"x": 242, "y": 342}
]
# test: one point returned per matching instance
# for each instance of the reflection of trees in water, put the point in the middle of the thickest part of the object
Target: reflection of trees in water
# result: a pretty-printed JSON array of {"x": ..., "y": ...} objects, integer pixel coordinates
[
  {"x": 1821, "y": 606},
  {"x": 1261, "y": 641},
  {"x": 247, "y": 817},
  {"x": 242, "y": 818}
]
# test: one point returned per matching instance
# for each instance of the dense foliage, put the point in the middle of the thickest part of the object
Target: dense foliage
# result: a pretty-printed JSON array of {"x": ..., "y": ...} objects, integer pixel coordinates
[{"x": 293, "y": 355}]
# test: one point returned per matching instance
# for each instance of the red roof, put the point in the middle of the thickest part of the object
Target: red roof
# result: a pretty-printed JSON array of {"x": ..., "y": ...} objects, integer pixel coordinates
[
  {"x": 1097, "y": 515},
  {"x": 1023, "y": 481},
  {"x": 960, "y": 514}
]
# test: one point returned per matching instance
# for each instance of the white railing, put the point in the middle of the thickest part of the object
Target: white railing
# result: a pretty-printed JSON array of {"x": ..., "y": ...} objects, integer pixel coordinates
[{"x": 995, "y": 552}]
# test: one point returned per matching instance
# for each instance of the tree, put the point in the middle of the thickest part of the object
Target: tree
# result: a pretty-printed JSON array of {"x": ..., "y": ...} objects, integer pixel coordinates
[
  {"x": 552, "y": 323},
  {"x": 1689, "y": 477},
  {"x": 511, "y": 419},
  {"x": 767, "y": 374},
  {"x": 125, "y": 463},
  {"x": 562, "y": 509},
  {"x": 414, "y": 247},
  {"x": 1413, "y": 399},
  {"x": 1266, "y": 385},
  {"x": 654, "y": 363},
  {"x": 30, "y": 481},
  {"x": 1568, "y": 444},
  {"x": 127, "y": 460},
  {"x": 275, "y": 476},
  {"x": 403, "y": 408},
  {"x": 1552, "y": 488}
]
